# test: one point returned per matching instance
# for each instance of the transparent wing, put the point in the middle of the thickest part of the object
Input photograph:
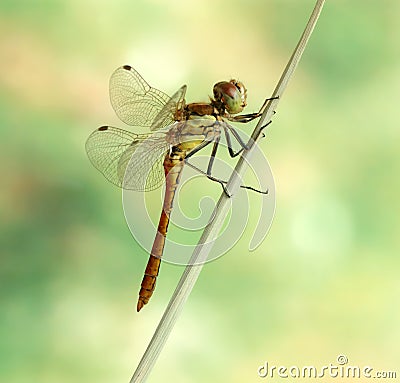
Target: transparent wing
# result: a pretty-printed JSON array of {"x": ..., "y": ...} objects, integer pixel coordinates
[
  {"x": 135, "y": 102},
  {"x": 128, "y": 160},
  {"x": 167, "y": 115}
]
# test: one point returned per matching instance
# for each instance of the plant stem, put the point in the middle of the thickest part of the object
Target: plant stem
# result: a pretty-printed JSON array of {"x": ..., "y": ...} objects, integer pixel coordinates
[{"x": 210, "y": 233}]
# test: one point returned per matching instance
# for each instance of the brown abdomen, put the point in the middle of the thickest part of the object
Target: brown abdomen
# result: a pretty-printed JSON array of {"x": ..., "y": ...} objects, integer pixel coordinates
[{"x": 173, "y": 165}]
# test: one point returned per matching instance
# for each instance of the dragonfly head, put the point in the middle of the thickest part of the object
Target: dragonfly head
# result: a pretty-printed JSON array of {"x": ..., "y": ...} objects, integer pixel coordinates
[{"x": 232, "y": 95}]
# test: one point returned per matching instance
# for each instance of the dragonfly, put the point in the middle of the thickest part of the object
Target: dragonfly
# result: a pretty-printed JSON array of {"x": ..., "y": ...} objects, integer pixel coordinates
[{"x": 178, "y": 130}]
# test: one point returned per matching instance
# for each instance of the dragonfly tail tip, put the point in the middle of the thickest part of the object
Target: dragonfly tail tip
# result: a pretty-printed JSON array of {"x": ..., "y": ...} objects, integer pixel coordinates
[{"x": 140, "y": 305}]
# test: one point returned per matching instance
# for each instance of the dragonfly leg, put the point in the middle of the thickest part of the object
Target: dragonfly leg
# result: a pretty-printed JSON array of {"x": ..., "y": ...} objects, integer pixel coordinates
[
  {"x": 213, "y": 154},
  {"x": 222, "y": 182},
  {"x": 229, "y": 142},
  {"x": 244, "y": 118},
  {"x": 265, "y": 103},
  {"x": 212, "y": 158},
  {"x": 254, "y": 189},
  {"x": 209, "y": 176},
  {"x": 264, "y": 126},
  {"x": 214, "y": 151},
  {"x": 236, "y": 135}
]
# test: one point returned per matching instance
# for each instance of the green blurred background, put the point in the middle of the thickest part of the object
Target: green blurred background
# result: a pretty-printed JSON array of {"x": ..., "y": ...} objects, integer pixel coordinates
[{"x": 326, "y": 279}]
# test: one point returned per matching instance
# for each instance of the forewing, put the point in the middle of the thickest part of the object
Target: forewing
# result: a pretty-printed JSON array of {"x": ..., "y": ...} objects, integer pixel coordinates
[
  {"x": 128, "y": 160},
  {"x": 135, "y": 102},
  {"x": 166, "y": 116}
]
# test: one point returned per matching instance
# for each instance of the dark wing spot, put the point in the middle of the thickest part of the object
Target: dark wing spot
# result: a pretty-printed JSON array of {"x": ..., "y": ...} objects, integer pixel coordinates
[
  {"x": 127, "y": 67},
  {"x": 103, "y": 128}
]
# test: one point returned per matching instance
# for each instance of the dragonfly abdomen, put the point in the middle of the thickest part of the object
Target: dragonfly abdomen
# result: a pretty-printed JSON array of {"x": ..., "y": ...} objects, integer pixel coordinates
[{"x": 173, "y": 165}]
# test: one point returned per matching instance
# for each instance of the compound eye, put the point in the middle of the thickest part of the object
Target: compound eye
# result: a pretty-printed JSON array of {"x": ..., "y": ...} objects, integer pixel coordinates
[{"x": 239, "y": 86}]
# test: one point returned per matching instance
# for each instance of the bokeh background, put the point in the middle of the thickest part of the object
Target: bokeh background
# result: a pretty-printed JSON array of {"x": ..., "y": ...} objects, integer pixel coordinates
[{"x": 326, "y": 279}]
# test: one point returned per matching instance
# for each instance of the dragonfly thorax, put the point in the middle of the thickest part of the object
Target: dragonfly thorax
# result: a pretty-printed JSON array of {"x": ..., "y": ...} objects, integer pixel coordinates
[
  {"x": 191, "y": 133},
  {"x": 199, "y": 109}
]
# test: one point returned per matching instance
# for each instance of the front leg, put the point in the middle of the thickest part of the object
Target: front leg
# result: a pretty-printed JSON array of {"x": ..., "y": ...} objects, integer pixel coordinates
[{"x": 244, "y": 118}]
